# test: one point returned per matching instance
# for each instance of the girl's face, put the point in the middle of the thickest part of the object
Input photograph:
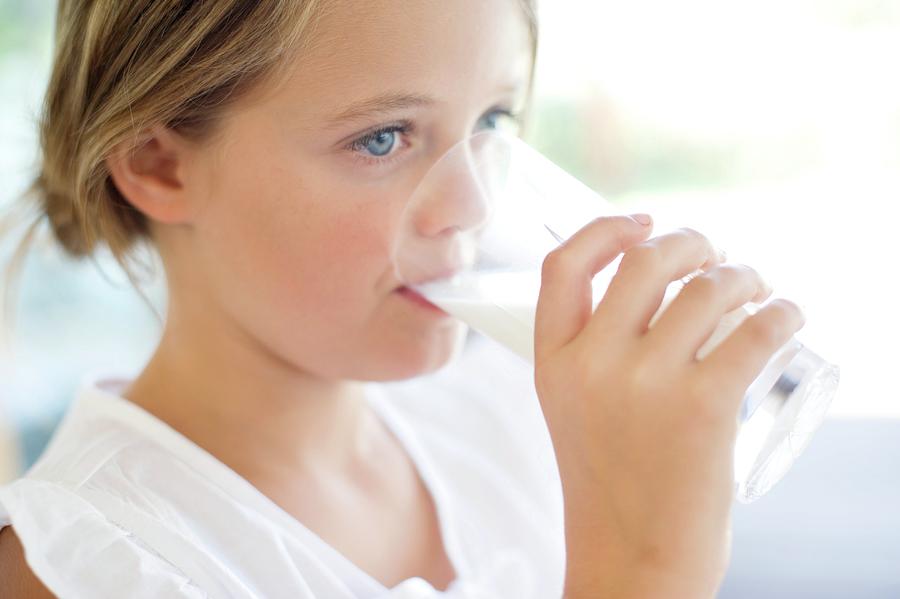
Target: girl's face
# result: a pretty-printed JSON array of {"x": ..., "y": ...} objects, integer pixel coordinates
[{"x": 299, "y": 194}]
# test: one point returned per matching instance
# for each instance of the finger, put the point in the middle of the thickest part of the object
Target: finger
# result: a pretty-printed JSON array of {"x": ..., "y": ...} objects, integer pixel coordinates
[
  {"x": 637, "y": 289},
  {"x": 565, "y": 301},
  {"x": 690, "y": 319},
  {"x": 741, "y": 357}
]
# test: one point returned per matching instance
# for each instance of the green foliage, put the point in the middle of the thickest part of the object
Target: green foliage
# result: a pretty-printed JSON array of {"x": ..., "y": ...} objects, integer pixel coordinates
[{"x": 25, "y": 27}]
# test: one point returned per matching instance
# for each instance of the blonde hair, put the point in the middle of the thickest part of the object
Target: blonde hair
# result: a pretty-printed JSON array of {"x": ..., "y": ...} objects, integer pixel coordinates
[{"x": 120, "y": 66}]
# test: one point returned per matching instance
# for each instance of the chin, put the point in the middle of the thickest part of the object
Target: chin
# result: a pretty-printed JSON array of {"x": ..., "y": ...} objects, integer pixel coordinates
[{"x": 404, "y": 361}]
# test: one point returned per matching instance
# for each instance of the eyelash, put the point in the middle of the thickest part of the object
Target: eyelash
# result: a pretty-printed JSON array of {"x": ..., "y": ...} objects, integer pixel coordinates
[{"x": 404, "y": 127}]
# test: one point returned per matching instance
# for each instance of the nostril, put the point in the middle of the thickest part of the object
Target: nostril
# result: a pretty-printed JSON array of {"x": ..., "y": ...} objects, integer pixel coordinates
[
  {"x": 433, "y": 228},
  {"x": 451, "y": 231}
]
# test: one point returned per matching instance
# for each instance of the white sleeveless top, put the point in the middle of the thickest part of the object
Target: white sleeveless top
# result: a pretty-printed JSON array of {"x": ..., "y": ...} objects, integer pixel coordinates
[{"x": 122, "y": 505}]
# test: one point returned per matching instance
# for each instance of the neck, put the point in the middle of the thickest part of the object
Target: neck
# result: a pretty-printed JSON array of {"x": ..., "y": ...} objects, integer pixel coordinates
[{"x": 228, "y": 393}]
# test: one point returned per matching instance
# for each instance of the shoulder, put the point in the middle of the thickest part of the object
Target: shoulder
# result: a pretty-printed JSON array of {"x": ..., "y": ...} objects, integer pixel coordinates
[
  {"x": 74, "y": 547},
  {"x": 16, "y": 578}
]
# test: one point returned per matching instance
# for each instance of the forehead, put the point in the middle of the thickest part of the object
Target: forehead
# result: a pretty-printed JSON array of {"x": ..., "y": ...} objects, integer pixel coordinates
[{"x": 453, "y": 50}]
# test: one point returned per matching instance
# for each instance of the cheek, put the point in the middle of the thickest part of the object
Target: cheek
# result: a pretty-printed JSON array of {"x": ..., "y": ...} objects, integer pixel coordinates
[
  {"x": 303, "y": 265},
  {"x": 339, "y": 257},
  {"x": 303, "y": 243}
]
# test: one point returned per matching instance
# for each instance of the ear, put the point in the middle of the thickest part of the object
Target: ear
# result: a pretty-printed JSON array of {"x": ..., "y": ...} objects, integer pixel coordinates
[{"x": 149, "y": 172}]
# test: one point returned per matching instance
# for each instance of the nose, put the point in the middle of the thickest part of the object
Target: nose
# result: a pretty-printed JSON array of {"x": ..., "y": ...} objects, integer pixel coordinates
[
  {"x": 448, "y": 211},
  {"x": 453, "y": 197}
]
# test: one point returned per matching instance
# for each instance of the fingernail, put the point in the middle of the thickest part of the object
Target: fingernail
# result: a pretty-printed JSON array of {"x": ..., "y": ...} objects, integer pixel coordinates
[{"x": 642, "y": 219}]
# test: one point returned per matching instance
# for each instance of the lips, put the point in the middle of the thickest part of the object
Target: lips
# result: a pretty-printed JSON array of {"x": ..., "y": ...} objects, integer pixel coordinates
[
  {"x": 445, "y": 273},
  {"x": 418, "y": 298}
]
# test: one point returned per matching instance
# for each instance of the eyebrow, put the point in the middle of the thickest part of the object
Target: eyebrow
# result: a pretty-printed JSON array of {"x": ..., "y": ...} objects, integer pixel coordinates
[
  {"x": 377, "y": 106},
  {"x": 390, "y": 102}
]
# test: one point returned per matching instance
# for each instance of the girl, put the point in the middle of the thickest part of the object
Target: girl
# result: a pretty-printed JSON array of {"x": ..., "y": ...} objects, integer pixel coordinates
[{"x": 265, "y": 150}]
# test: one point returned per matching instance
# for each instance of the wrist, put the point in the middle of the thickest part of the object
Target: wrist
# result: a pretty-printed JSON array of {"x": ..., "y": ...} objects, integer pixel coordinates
[
  {"x": 592, "y": 573},
  {"x": 636, "y": 585}
]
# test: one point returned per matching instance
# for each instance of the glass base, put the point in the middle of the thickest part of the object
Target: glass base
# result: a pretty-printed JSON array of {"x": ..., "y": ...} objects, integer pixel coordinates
[{"x": 781, "y": 427}]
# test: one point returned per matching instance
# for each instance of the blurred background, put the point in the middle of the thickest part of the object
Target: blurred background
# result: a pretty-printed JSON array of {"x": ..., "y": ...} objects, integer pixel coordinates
[{"x": 772, "y": 126}]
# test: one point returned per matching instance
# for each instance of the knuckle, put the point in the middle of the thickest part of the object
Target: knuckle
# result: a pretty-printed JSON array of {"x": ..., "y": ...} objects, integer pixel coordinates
[
  {"x": 643, "y": 256},
  {"x": 749, "y": 273},
  {"x": 622, "y": 234},
  {"x": 554, "y": 262},
  {"x": 790, "y": 313},
  {"x": 640, "y": 377},
  {"x": 763, "y": 331},
  {"x": 703, "y": 286},
  {"x": 689, "y": 232},
  {"x": 693, "y": 235},
  {"x": 740, "y": 275},
  {"x": 583, "y": 365},
  {"x": 696, "y": 238},
  {"x": 739, "y": 270}
]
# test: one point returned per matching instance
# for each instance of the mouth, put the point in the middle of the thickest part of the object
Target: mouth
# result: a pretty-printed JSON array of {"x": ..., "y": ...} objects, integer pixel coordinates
[{"x": 418, "y": 299}]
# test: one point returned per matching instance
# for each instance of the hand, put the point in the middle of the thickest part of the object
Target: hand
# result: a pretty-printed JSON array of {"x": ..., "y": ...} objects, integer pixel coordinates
[{"x": 644, "y": 432}]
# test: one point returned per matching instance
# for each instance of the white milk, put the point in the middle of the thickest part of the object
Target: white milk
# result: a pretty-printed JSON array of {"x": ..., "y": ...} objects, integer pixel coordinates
[{"x": 502, "y": 305}]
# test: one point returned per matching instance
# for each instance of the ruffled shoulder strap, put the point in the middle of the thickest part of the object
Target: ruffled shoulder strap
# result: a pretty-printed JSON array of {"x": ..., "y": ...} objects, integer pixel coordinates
[{"x": 77, "y": 552}]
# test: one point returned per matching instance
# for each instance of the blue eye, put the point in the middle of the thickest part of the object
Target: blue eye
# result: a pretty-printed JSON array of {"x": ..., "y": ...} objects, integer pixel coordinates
[
  {"x": 380, "y": 146},
  {"x": 490, "y": 119},
  {"x": 381, "y": 142}
]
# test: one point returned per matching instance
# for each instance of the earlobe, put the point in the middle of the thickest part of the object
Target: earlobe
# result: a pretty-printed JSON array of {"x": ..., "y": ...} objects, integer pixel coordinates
[{"x": 149, "y": 173}]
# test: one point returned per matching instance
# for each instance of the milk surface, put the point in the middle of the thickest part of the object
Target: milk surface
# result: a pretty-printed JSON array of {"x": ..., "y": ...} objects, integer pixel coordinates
[{"x": 502, "y": 305}]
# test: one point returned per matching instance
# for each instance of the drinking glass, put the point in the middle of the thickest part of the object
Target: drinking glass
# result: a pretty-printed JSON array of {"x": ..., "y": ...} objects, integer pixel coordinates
[{"x": 472, "y": 241}]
